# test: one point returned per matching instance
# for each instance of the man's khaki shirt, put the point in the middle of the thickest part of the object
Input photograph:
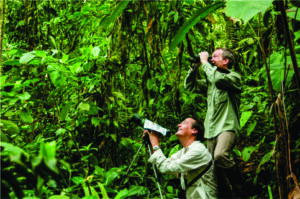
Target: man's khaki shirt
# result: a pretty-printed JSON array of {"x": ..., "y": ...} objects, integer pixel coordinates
[
  {"x": 223, "y": 99},
  {"x": 189, "y": 162}
]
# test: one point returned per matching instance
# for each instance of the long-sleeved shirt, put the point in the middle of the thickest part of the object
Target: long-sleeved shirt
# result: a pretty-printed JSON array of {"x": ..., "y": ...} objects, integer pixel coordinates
[
  {"x": 223, "y": 99},
  {"x": 190, "y": 162}
]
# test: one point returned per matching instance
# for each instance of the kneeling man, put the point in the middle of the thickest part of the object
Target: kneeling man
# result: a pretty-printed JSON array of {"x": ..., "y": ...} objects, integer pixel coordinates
[{"x": 193, "y": 162}]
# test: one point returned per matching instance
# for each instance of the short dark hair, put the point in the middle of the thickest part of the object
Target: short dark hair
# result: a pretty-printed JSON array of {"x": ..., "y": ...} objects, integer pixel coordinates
[
  {"x": 227, "y": 54},
  {"x": 198, "y": 125}
]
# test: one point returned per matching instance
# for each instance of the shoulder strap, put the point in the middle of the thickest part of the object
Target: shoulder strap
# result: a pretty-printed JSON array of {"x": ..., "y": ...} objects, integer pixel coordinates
[{"x": 199, "y": 175}]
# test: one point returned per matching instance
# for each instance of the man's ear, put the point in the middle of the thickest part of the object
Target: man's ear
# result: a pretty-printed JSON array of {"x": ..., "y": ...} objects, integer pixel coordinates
[
  {"x": 194, "y": 131},
  {"x": 225, "y": 61}
]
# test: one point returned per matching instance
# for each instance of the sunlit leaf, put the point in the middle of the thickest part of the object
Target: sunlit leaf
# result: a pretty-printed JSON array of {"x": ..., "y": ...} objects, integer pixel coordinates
[
  {"x": 95, "y": 121},
  {"x": 247, "y": 153},
  {"x": 27, "y": 57},
  {"x": 245, "y": 117},
  {"x": 111, "y": 175},
  {"x": 103, "y": 190},
  {"x": 24, "y": 96},
  {"x": 84, "y": 106},
  {"x": 9, "y": 126},
  {"x": 174, "y": 150},
  {"x": 48, "y": 152},
  {"x": 245, "y": 10},
  {"x": 57, "y": 76},
  {"x": 96, "y": 51},
  {"x": 251, "y": 127},
  {"x": 26, "y": 116}
]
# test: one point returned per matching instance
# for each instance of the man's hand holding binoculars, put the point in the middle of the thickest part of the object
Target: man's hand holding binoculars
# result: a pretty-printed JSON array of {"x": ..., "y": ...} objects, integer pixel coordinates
[{"x": 154, "y": 137}]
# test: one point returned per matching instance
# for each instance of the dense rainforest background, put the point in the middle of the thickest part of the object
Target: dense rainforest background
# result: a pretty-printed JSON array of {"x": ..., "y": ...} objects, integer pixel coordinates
[{"x": 73, "y": 72}]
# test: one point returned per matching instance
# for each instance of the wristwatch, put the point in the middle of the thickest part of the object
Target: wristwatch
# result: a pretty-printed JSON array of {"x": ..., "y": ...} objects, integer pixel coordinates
[{"x": 156, "y": 147}]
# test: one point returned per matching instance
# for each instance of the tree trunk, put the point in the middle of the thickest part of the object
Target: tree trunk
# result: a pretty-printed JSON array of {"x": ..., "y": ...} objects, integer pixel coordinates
[{"x": 2, "y": 5}]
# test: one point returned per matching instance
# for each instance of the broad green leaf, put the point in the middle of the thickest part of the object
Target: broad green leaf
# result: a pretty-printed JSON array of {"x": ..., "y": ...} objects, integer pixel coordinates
[
  {"x": 14, "y": 152},
  {"x": 60, "y": 131},
  {"x": 26, "y": 116},
  {"x": 57, "y": 76},
  {"x": 96, "y": 51},
  {"x": 277, "y": 70},
  {"x": 292, "y": 12},
  {"x": 245, "y": 117},
  {"x": 84, "y": 106},
  {"x": 203, "y": 12},
  {"x": 120, "y": 7},
  {"x": 24, "y": 96},
  {"x": 251, "y": 127},
  {"x": 270, "y": 192},
  {"x": 48, "y": 152},
  {"x": 267, "y": 157},
  {"x": 40, "y": 184},
  {"x": 93, "y": 109},
  {"x": 86, "y": 190},
  {"x": 64, "y": 112},
  {"x": 78, "y": 180},
  {"x": 4, "y": 138},
  {"x": 122, "y": 194},
  {"x": 149, "y": 84},
  {"x": 103, "y": 190},
  {"x": 245, "y": 10},
  {"x": 114, "y": 137},
  {"x": 111, "y": 175},
  {"x": 11, "y": 63},
  {"x": 9, "y": 127},
  {"x": 40, "y": 53},
  {"x": 95, "y": 121},
  {"x": 27, "y": 57},
  {"x": 247, "y": 152},
  {"x": 174, "y": 150},
  {"x": 65, "y": 58},
  {"x": 137, "y": 190}
]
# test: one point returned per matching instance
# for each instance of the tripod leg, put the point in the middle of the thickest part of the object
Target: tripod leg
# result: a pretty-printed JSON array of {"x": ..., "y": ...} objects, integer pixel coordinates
[
  {"x": 155, "y": 175},
  {"x": 134, "y": 159}
]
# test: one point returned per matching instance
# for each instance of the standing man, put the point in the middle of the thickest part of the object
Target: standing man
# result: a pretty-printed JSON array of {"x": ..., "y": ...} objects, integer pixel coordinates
[
  {"x": 193, "y": 162},
  {"x": 221, "y": 124}
]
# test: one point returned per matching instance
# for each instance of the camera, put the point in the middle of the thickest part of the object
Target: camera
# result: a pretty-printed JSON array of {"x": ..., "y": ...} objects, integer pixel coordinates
[{"x": 149, "y": 125}]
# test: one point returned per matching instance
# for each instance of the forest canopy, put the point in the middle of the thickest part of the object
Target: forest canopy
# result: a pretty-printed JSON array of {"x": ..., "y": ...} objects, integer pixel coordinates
[{"x": 74, "y": 72}]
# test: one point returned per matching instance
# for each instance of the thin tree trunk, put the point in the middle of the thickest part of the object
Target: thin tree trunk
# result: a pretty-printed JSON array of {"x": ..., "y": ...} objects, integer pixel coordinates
[
  {"x": 2, "y": 5},
  {"x": 290, "y": 43}
]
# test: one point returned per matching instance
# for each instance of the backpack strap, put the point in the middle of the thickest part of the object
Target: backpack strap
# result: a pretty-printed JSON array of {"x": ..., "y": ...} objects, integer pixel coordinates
[{"x": 199, "y": 175}]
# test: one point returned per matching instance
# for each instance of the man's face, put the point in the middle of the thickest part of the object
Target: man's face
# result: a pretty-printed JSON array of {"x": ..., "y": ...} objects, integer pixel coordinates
[
  {"x": 217, "y": 59},
  {"x": 185, "y": 128}
]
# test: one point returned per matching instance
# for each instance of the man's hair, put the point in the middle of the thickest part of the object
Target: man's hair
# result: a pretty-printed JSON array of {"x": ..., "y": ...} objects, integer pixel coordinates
[
  {"x": 227, "y": 54},
  {"x": 198, "y": 125}
]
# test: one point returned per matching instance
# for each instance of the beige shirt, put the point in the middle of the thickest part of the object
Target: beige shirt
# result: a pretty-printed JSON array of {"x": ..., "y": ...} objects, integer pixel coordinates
[{"x": 190, "y": 161}]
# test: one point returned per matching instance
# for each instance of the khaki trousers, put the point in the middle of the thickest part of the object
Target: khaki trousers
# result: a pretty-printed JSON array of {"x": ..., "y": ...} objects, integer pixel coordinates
[{"x": 220, "y": 148}]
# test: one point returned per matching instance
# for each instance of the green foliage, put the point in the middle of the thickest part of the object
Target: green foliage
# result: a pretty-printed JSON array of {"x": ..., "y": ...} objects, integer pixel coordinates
[
  {"x": 74, "y": 72},
  {"x": 120, "y": 7},
  {"x": 201, "y": 13},
  {"x": 246, "y": 10}
]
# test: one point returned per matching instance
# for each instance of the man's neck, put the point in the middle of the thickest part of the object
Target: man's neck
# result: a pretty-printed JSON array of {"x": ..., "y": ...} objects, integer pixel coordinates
[{"x": 186, "y": 142}]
